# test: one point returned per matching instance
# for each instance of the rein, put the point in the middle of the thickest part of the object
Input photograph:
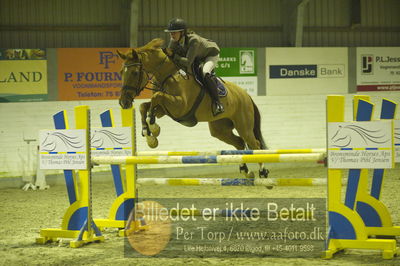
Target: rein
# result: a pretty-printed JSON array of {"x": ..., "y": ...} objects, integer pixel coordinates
[{"x": 155, "y": 83}]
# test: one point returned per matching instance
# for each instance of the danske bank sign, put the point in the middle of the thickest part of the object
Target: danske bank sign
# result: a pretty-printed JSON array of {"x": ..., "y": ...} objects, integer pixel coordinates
[{"x": 306, "y": 71}]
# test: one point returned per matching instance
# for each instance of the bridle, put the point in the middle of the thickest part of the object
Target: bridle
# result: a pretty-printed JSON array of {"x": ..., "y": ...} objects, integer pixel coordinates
[{"x": 138, "y": 87}]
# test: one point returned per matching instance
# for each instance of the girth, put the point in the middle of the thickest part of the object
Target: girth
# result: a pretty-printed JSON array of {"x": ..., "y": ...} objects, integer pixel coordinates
[{"x": 189, "y": 119}]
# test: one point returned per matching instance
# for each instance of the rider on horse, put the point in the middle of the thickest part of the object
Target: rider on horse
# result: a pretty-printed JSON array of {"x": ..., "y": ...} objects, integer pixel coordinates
[{"x": 185, "y": 47}]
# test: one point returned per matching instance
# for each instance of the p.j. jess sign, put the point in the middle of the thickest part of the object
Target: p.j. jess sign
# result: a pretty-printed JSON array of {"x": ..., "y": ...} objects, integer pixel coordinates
[{"x": 361, "y": 145}]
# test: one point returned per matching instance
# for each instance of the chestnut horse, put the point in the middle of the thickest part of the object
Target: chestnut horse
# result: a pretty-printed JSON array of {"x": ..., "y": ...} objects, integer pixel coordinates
[{"x": 180, "y": 97}]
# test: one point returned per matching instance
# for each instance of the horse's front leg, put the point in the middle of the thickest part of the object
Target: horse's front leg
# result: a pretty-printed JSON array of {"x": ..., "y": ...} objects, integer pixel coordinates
[
  {"x": 152, "y": 141},
  {"x": 155, "y": 110},
  {"x": 151, "y": 121},
  {"x": 144, "y": 109},
  {"x": 159, "y": 103}
]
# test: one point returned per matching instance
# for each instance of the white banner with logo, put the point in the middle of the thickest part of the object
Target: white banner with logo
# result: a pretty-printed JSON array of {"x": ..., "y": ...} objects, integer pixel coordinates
[
  {"x": 356, "y": 145},
  {"x": 378, "y": 69},
  {"x": 294, "y": 71},
  {"x": 111, "y": 141},
  {"x": 63, "y": 149}
]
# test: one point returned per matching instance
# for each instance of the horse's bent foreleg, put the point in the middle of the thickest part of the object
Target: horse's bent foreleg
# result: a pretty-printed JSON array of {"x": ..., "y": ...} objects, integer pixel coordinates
[
  {"x": 153, "y": 126},
  {"x": 155, "y": 110},
  {"x": 144, "y": 109},
  {"x": 152, "y": 141},
  {"x": 222, "y": 130}
]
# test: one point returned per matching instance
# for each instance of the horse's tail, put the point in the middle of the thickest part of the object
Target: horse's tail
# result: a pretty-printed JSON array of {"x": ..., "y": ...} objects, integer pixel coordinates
[{"x": 257, "y": 127}]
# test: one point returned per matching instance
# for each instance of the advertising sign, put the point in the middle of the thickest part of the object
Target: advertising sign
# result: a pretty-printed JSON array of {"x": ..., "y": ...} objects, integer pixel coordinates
[
  {"x": 292, "y": 71},
  {"x": 378, "y": 69},
  {"x": 356, "y": 145},
  {"x": 23, "y": 75},
  {"x": 239, "y": 65},
  {"x": 90, "y": 74}
]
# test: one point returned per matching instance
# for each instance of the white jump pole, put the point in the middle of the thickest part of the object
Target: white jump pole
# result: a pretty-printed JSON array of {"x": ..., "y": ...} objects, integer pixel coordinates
[{"x": 218, "y": 159}]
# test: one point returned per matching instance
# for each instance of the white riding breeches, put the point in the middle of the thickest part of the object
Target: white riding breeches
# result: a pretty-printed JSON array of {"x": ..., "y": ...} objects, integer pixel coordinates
[{"x": 209, "y": 64}]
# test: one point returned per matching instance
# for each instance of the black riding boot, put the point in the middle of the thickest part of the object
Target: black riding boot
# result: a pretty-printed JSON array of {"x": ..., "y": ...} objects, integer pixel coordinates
[{"x": 217, "y": 107}]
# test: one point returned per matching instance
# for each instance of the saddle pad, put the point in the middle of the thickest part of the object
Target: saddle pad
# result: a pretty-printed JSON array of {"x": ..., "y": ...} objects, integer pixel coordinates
[{"x": 222, "y": 91}]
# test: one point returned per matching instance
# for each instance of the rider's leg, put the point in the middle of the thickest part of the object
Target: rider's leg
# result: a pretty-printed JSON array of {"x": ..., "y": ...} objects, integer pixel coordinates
[{"x": 208, "y": 67}]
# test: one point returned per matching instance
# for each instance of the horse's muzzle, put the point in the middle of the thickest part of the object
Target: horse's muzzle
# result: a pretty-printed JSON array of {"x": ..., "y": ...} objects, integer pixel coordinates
[
  {"x": 125, "y": 103},
  {"x": 128, "y": 88},
  {"x": 126, "y": 99}
]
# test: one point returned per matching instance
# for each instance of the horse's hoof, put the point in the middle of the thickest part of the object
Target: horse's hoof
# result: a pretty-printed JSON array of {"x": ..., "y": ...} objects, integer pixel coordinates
[
  {"x": 250, "y": 174},
  {"x": 263, "y": 173},
  {"x": 152, "y": 141},
  {"x": 243, "y": 169},
  {"x": 155, "y": 130}
]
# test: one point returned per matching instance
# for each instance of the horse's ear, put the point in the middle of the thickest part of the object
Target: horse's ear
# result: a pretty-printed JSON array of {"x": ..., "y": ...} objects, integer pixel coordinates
[
  {"x": 134, "y": 54},
  {"x": 121, "y": 55}
]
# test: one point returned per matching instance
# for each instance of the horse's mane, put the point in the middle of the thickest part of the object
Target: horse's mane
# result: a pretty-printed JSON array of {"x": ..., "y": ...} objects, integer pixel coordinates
[{"x": 152, "y": 45}]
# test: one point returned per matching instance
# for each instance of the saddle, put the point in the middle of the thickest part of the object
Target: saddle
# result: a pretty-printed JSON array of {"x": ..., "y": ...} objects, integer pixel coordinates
[
  {"x": 189, "y": 119},
  {"x": 198, "y": 76}
]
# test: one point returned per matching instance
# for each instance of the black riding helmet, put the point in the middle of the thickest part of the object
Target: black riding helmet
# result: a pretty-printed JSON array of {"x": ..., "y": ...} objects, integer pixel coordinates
[{"x": 176, "y": 24}]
